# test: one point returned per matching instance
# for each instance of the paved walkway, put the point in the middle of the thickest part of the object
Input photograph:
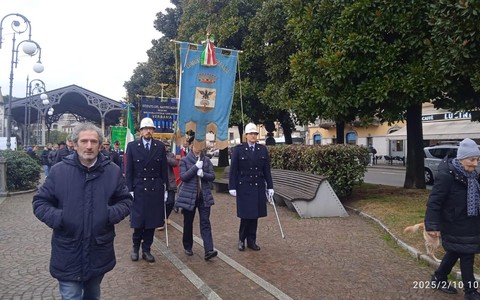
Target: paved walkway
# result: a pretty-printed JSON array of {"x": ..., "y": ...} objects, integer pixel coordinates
[{"x": 322, "y": 258}]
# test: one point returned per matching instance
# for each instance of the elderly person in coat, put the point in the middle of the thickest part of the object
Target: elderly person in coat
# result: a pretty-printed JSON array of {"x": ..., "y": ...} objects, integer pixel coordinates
[
  {"x": 251, "y": 182},
  {"x": 82, "y": 199},
  {"x": 196, "y": 172},
  {"x": 453, "y": 212},
  {"x": 146, "y": 176}
]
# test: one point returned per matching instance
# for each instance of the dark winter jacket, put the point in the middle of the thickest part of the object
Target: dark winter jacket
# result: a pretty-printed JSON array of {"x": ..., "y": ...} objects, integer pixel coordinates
[
  {"x": 250, "y": 175},
  {"x": 187, "y": 194},
  {"x": 52, "y": 157},
  {"x": 172, "y": 163},
  {"x": 62, "y": 153},
  {"x": 113, "y": 156},
  {"x": 45, "y": 154},
  {"x": 447, "y": 212},
  {"x": 82, "y": 205}
]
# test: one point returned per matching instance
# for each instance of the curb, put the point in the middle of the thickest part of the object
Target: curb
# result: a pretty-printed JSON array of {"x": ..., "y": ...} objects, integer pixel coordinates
[
  {"x": 411, "y": 250},
  {"x": 4, "y": 197}
]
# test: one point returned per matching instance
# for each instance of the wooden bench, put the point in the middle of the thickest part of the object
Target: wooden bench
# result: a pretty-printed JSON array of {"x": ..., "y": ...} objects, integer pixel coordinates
[
  {"x": 308, "y": 194},
  {"x": 221, "y": 184}
]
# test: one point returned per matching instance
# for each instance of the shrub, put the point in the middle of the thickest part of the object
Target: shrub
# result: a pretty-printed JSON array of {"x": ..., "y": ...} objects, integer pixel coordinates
[
  {"x": 22, "y": 171},
  {"x": 344, "y": 165}
]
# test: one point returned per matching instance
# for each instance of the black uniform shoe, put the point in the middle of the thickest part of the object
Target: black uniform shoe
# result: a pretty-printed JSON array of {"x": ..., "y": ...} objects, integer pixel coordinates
[
  {"x": 471, "y": 295},
  {"x": 210, "y": 254},
  {"x": 254, "y": 247},
  {"x": 134, "y": 255},
  {"x": 148, "y": 257},
  {"x": 241, "y": 246},
  {"x": 443, "y": 285},
  {"x": 188, "y": 252}
]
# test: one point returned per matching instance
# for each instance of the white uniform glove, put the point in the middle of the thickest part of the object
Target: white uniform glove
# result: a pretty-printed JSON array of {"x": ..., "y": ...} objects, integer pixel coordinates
[
  {"x": 199, "y": 163},
  {"x": 131, "y": 193},
  {"x": 166, "y": 196},
  {"x": 233, "y": 193},
  {"x": 200, "y": 172},
  {"x": 270, "y": 193}
]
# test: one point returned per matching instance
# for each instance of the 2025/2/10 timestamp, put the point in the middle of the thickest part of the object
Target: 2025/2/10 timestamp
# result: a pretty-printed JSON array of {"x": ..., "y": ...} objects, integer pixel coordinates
[{"x": 442, "y": 284}]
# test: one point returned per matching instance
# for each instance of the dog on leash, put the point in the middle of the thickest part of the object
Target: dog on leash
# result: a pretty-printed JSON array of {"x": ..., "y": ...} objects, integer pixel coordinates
[{"x": 431, "y": 243}]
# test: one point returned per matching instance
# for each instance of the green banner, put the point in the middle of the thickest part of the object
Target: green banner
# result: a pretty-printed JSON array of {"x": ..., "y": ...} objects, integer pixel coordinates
[{"x": 119, "y": 134}]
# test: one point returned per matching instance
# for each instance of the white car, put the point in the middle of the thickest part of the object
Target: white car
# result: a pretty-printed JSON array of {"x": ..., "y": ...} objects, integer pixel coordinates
[{"x": 434, "y": 155}]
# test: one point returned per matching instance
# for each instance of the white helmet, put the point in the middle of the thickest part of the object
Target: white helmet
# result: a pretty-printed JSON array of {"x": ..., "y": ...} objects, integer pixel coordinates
[
  {"x": 251, "y": 128},
  {"x": 147, "y": 122}
]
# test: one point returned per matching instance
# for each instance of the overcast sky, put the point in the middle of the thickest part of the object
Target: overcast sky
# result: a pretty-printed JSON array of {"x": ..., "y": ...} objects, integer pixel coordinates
[{"x": 95, "y": 44}]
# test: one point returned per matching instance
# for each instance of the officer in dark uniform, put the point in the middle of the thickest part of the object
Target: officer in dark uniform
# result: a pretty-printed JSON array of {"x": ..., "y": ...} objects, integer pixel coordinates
[
  {"x": 251, "y": 182},
  {"x": 116, "y": 148},
  {"x": 146, "y": 176}
]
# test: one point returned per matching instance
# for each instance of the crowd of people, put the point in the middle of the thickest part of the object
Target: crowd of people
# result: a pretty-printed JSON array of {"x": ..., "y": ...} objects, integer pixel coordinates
[
  {"x": 146, "y": 188},
  {"x": 88, "y": 183},
  {"x": 101, "y": 191}
]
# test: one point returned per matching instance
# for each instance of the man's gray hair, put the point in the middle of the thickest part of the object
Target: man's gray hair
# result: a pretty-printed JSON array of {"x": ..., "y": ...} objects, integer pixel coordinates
[{"x": 86, "y": 127}]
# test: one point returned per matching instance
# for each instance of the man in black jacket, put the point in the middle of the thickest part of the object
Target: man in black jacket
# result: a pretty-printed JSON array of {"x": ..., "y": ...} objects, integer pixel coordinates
[
  {"x": 65, "y": 149},
  {"x": 113, "y": 156},
  {"x": 82, "y": 199}
]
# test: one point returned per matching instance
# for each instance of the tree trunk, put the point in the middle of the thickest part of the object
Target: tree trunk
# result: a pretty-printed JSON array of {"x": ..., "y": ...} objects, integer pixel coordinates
[
  {"x": 340, "y": 129},
  {"x": 287, "y": 132},
  {"x": 270, "y": 127},
  {"x": 415, "y": 174}
]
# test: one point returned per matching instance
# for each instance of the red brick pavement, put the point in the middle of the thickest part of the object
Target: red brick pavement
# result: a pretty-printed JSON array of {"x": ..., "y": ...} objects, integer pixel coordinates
[{"x": 321, "y": 258}]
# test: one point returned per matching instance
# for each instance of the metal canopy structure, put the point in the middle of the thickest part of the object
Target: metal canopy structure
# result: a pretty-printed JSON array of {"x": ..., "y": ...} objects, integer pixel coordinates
[{"x": 80, "y": 102}]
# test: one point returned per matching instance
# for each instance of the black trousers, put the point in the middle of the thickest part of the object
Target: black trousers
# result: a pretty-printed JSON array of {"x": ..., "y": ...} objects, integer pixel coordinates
[
  {"x": 205, "y": 226},
  {"x": 248, "y": 231},
  {"x": 145, "y": 235},
  {"x": 466, "y": 267},
  {"x": 170, "y": 203}
]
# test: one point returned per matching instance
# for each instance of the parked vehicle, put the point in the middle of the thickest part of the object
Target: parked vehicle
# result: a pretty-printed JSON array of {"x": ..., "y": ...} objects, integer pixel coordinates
[{"x": 434, "y": 155}]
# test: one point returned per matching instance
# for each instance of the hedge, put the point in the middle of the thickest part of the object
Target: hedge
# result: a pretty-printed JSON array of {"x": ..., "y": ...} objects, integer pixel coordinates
[
  {"x": 23, "y": 172},
  {"x": 344, "y": 165}
]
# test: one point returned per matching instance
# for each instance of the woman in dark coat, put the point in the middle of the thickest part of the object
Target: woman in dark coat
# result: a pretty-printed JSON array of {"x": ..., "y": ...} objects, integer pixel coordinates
[
  {"x": 196, "y": 172},
  {"x": 453, "y": 210}
]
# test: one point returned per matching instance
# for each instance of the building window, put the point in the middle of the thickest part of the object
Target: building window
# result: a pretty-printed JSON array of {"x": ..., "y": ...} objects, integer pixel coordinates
[
  {"x": 317, "y": 139},
  {"x": 351, "y": 138},
  {"x": 399, "y": 146}
]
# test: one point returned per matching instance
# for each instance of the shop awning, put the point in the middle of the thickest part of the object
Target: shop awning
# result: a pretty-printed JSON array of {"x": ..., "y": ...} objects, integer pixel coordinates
[{"x": 453, "y": 130}]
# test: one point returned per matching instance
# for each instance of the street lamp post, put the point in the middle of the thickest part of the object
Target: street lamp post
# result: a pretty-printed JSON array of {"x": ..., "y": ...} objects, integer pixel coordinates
[
  {"x": 39, "y": 87},
  {"x": 30, "y": 47}
]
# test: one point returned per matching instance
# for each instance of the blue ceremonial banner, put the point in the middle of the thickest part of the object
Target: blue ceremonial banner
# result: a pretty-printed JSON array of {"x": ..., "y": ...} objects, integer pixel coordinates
[
  {"x": 206, "y": 93},
  {"x": 163, "y": 112}
]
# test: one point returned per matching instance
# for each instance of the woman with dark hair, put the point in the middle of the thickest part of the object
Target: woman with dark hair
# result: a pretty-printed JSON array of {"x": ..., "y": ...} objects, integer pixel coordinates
[{"x": 196, "y": 172}]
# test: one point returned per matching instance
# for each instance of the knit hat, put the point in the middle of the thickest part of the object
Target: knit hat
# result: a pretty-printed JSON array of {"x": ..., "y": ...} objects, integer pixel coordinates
[{"x": 468, "y": 148}]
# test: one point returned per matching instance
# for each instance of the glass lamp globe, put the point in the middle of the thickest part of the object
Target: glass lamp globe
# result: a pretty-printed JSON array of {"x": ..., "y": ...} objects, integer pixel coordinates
[
  {"x": 50, "y": 112},
  {"x": 45, "y": 102},
  {"x": 38, "y": 67},
  {"x": 43, "y": 96},
  {"x": 15, "y": 128},
  {"x": 29, "y": 48}
]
